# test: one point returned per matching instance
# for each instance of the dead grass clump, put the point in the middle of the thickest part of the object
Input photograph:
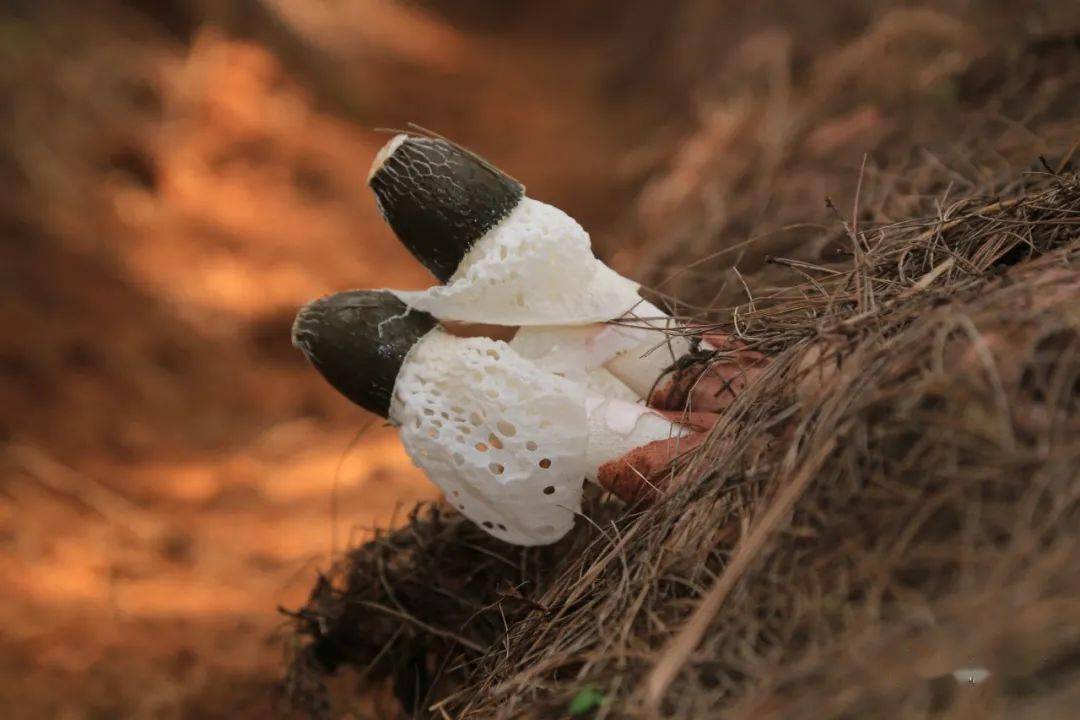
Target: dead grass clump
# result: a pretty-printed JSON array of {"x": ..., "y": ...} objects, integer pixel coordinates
[
  {"x": 437, "y": 588},
  {"x": 919, "y": 108},
  {"x": 897, "y": 498},
  {"x": 928, "y": 483}
]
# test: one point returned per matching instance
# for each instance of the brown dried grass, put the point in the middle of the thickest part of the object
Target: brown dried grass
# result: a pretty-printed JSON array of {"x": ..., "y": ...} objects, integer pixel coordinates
[
  {"x": 897, "y": 498},
  {"x": 922, "y": 107}
]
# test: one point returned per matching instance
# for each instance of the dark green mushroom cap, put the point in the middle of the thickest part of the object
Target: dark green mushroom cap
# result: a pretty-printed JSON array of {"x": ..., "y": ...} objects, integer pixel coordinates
[
  {"x": 440, "y": 198},
  {"x": 358, "y": 340}
]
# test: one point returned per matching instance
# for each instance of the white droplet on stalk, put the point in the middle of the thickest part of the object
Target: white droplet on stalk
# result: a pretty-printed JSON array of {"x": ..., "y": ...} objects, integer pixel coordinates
[
  {"x": 971, "y": 676},
  {"x": 616, "y": 427}
]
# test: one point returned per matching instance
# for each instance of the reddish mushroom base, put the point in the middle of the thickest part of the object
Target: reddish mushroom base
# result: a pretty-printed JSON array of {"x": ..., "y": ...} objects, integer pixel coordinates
[{"x": 693, "y": 396}]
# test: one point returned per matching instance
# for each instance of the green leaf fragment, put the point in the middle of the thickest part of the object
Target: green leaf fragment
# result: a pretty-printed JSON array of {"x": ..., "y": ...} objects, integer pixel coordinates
[{"x": 587, "y": 699}]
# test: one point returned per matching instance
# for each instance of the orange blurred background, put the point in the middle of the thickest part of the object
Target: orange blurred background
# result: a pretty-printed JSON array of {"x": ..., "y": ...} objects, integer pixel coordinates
[{"x": 178, "y": 176}]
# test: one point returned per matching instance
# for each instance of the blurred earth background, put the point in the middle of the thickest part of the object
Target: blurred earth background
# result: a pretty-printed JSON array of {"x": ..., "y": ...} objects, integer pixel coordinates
[{"x": 177, "y": 177}]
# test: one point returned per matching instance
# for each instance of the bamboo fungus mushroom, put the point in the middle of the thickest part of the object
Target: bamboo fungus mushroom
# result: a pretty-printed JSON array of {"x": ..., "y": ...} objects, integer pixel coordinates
[
  {"x": 507, "y": 441},
  {"x": 506, "y": 259}
]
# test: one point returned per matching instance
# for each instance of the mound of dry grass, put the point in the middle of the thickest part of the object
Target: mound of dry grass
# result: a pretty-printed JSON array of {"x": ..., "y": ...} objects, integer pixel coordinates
[
  {"x": 895, "y": 499},
  {"x": 439, "y": 587}
]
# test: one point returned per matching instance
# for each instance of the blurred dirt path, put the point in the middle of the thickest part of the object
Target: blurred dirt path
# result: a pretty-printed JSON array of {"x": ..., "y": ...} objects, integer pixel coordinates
[{"x": 169, "y": 460}]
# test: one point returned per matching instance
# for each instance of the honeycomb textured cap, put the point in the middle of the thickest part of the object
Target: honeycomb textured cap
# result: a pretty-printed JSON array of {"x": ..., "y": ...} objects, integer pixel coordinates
[
  {"x": 358, "y": 340},
  {"x": 439, "y": 198}
]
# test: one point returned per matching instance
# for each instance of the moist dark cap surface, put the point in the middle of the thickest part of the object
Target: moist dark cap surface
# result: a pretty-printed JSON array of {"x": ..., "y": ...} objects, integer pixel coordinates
[
  {"x": 440, "y": 198},
  {"x": 358, "y": 340}
]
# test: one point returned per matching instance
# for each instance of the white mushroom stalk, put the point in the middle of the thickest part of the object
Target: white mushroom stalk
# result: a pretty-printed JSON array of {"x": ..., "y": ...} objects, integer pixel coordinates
[
  {"x": 636, "y": 352},
  {"x": 507, "y": 441},
  {"x": 506, "y": 259}
]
